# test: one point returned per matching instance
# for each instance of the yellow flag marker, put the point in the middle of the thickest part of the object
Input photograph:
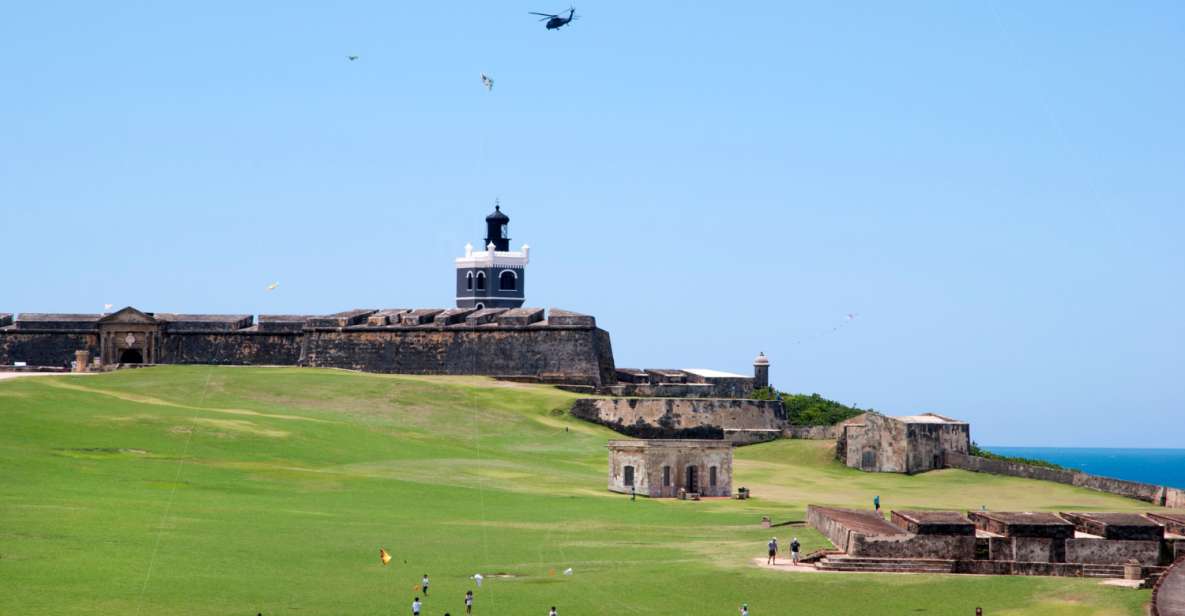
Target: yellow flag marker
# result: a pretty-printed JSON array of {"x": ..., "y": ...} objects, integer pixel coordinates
[{"x": 384, "y": 556}]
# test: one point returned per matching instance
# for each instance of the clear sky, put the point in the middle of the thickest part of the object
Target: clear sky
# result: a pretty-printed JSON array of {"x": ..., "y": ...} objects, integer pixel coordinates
[{"x": 995, "y": 189}]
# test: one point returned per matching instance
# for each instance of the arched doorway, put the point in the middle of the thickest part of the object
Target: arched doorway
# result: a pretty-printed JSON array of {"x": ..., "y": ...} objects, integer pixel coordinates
[
  {"x": 692, "y": 479},
  {"x": 131, "y": 356}
]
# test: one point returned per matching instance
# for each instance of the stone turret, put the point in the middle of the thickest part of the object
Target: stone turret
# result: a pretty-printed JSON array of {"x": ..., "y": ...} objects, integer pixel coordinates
[{"x": 760, "y": 371}]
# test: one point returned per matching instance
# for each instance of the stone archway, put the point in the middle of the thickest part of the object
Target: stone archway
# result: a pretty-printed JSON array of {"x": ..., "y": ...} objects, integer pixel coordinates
[{"x": 131, "y": 356}]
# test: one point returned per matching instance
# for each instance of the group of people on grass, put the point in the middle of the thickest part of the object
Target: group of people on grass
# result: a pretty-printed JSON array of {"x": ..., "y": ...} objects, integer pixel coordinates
[
  {"x": 773, "y": 551},
  {"x": 417, "y": 605}
]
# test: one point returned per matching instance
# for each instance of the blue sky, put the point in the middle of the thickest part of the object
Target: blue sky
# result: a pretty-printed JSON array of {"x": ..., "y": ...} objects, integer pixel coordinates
[{"x": 996, "y": 189}]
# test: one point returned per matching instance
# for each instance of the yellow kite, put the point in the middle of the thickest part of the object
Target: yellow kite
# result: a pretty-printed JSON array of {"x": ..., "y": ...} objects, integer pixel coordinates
[{"x": 384, "y": 556}]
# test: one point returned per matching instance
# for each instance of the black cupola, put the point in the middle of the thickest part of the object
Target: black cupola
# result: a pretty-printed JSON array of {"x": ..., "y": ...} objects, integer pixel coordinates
[{"x": 497, "y": 229}]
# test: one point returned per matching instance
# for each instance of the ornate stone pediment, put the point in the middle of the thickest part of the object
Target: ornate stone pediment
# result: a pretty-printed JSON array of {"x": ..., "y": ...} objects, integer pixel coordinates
[{"x": 128, "y": 315}]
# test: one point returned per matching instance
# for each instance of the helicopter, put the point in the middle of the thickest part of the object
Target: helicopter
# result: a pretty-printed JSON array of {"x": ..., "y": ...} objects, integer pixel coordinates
[{"x": 555, "y": 22}]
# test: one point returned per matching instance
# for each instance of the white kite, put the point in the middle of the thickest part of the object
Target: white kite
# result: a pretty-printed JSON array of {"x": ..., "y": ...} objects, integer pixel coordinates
[
  {"x": 568, "y": 571},
  {"x": 272, "y": 286},
  {"x": 106, "y": 306},
  {"x": 487, "y": 82},
  {"x": 477, "y": 578}
]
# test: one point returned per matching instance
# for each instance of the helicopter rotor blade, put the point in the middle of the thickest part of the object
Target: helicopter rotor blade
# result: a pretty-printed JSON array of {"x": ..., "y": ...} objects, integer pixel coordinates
[{"x": 545, "y": 15}]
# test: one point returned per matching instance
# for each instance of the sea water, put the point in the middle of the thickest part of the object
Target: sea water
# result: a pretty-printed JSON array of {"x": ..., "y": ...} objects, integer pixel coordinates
[{"x": 1165, "y": 467}]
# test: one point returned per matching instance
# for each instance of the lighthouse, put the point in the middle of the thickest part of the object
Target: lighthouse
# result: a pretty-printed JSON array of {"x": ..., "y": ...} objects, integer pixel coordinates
[{"x": 494, "y": 276}]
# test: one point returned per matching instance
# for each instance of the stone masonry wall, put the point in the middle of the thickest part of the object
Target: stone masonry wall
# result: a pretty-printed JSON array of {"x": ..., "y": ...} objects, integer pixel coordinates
[
  {"x": 818, "y": 433},
  {"x": 574, "y": 355},
  {"x": 1112, "y": 551},
  {"x": 838, "y": 534},
  {"x": 1157, "y": 495},
  {"x": 45, "y": 348},
  {"x": 913, "y": 546},
  {"x": 682, "y": 418},
  {"x": 239, "y": 348}
]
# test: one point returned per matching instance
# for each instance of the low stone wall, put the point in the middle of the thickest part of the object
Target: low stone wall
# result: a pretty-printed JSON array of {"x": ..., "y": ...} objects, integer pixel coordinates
[
  {"x": 685, "y": 418},
  {"x": 816, "y": 433},
  {"x": 724, "y": 389},
  {"x": 947, "y": 547},
  {"x": 1157, "y": 495},
  {"x": 1112, "y": 551},
  {"x": 838, "y": 534}
]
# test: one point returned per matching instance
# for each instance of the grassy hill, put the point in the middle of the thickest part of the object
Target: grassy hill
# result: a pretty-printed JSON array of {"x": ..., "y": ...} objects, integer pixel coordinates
[{"x": 204, "y": 490}]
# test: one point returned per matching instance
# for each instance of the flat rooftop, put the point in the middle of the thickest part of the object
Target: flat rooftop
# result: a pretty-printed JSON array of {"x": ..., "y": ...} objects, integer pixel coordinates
[
  {"x": 708, "y": 373},
  {"x": 1026, "y": 518},
  {"x": 672, "y": 443},
  {"x": 1113, "y": 519},
  {"x": 928, "y": 418},
  {"x": 861, "y": 521},
  {"x": 934, "y": 517}
]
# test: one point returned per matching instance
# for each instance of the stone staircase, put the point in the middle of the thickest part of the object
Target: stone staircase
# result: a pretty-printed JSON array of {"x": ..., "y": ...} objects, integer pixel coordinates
[
  {"x": 1102, "y": 571},
  {"x": 886, "y": 565}
]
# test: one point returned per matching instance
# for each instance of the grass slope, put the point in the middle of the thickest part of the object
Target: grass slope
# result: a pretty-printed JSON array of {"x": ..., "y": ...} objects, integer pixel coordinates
[{"x": 203, "y": 490}]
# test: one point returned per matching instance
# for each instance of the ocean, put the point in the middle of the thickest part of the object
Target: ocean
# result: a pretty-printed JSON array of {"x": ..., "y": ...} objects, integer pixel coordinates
[{"x": 1164, "y": 467}]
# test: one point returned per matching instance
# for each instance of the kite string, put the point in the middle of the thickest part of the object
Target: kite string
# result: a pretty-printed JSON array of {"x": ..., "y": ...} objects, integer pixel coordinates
[
  {"x": 173, "y": 492},
  {"x": 481, "y": 495}
]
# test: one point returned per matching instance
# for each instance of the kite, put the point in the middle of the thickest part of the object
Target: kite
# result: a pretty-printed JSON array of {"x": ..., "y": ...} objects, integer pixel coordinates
[
  {"x": 106, "y": 306},
  {"x": 384, "y": 556},
  {"x": 568, "y": 571},
  {"x": 351, "y": 58},
  {"x": 272, "y": 286},
  {"x": 487, "y": 82},
  {"x": 477, "y": 578}
]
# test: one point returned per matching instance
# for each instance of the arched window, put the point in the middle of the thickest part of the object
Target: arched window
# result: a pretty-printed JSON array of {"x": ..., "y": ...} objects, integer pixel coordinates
[
  {"x": 507, "y": 280},
  {"x": 480, "y": 306},
  {"x": 712, "y": 476},
  {"x": 469, "y": 281},
  {"x": 481, "y": 281},
  {"x": 666, "y": 476},
  {"x": 629, "y": 475}
]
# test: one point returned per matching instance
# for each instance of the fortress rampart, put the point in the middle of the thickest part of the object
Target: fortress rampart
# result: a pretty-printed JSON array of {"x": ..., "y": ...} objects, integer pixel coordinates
[{"x": 523, "y": 343}]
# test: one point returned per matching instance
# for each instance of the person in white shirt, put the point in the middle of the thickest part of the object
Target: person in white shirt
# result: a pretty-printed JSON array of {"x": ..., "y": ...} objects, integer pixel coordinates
[
  {"x": 468, "y": 601},
  {"x": 415, "y": 607},
  {"x": 744, "y": 609},
  {"x": 552, "y": 612},
  {"x": 424, "y": 585}
]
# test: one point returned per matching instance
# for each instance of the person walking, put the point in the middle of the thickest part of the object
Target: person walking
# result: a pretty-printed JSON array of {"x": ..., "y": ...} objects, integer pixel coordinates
[
  {"x": 876, "y": 503},
  {"x": 415, "y": 607},
  {"x": 424, "y": 585},
  {"x": 553, "y": 612},
  {"x": 794, "y": 545},
  {"x": 773, "y": 552},
  {"x": 468, "y": 601},
  {"x": 744, "y": 609}
]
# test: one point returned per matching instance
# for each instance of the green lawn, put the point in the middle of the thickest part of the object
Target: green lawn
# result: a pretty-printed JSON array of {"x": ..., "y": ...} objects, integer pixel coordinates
[{"x": 200, "y": 490}]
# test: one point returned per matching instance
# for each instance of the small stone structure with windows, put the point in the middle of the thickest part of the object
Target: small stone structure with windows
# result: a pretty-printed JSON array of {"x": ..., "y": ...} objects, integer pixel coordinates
[
  {"x": 661, "y": 468},
  {"x": 911, "y": 444},
  {"x": 494, "y": 277}
]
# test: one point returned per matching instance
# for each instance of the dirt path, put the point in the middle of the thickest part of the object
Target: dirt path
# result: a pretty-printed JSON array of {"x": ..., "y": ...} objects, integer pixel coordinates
[
  {"x": 784, "y": 565},
  {"x": 13, "y": 375}
]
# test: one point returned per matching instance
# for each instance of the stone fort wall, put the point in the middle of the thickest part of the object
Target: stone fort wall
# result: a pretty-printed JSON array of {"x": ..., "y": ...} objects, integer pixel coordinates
[
  {"x": 525, "y": 343},
  {"x": 740, "y": 421},
  {"x": 1157, "y": 495}
]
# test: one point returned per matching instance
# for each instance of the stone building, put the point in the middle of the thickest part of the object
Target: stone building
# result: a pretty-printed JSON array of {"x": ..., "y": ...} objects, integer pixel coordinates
[
  {"x": 494, "y": 277},
  {"x": 912, "y": 444},
  {"x": 660, "y": 468}
]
